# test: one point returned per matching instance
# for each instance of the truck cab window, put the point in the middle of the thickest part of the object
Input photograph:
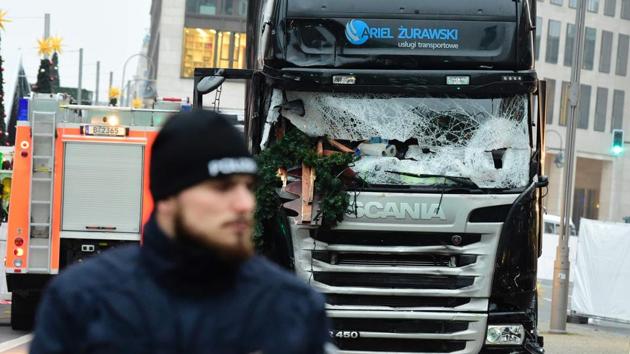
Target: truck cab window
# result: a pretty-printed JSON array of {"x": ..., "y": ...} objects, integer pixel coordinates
[{"x": 399, "y": 139}]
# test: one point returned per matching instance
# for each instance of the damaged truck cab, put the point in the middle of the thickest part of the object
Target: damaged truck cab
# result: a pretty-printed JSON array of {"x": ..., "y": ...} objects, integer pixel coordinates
[{"x": 439, "y": 105}]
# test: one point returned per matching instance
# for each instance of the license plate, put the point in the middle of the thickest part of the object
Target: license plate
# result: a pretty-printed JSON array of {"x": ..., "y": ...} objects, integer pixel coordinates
[{"x": 104, "y": 130}]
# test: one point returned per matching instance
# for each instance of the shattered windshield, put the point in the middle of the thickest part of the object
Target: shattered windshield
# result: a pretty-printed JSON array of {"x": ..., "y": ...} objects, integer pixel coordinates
[{"x": 423, "y": 141}]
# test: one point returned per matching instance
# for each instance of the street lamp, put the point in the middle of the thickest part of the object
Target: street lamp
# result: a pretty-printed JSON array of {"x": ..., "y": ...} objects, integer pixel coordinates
[
  {"x": 559, "y": 159},
  {"x": 560, "y": 291},
  {"x": 122, "y": 82}
]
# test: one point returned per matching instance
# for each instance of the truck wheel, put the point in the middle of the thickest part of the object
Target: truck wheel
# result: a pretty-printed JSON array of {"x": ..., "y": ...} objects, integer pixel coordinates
[{"x": 23, "y": 307}]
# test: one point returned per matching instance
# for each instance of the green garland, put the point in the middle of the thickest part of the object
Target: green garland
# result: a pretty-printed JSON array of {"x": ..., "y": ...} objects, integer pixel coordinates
[{"x": 292, "y": 150}]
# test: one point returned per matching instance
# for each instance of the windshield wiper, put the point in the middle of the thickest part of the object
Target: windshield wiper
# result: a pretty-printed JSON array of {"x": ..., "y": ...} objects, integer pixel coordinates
[{"x": 461, "y": 181}]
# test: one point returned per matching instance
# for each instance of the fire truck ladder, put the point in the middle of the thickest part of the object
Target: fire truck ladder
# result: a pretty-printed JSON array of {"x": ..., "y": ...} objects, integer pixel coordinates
[{"x": 43, "y": 132}]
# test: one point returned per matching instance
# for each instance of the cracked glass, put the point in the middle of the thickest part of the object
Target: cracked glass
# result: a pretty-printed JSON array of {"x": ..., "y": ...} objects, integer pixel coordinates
[{"x": 399, "y": 138}]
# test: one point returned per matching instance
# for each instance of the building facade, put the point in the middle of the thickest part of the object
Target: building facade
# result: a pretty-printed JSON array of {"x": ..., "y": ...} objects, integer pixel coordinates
[
  {"x": 602, "y": 185},
  {"x": 211, "y": 33},
  {"x": 186, "y": 34}
]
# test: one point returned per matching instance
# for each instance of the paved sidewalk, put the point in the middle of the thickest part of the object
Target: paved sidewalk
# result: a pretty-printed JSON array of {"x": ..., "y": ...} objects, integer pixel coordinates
[{"x": 586, "y": 339}]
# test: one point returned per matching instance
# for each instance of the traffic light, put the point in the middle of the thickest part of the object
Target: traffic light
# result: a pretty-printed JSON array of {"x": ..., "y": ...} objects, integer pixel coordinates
[{"x": 617, "y": 142}]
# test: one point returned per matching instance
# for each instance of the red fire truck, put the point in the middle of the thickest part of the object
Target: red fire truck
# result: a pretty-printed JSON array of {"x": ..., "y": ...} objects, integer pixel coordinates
[{"x": 80, "y": 186}]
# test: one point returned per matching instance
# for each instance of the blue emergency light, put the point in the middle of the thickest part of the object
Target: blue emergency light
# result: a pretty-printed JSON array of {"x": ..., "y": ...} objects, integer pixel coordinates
[{"x": 23, "y": 110}]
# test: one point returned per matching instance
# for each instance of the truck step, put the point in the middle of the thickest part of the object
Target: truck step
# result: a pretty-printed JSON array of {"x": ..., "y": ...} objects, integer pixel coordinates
[
  {"x": 38, "y": 270},
  {"x": 40, "y": 224},
  {"x": 42, "y": 179}
]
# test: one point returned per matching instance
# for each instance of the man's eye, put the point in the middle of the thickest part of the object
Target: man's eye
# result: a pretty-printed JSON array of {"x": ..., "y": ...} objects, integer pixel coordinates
[
  {"x": 221, "y": 186},
  {"x": 225, "y": 186}
]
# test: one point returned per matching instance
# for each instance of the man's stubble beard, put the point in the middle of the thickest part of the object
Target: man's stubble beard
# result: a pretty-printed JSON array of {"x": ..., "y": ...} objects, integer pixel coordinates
[{"x": 228, "y": 254}]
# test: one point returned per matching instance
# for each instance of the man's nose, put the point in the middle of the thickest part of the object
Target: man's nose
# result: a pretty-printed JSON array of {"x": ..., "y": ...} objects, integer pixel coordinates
[{"x": 243, "y": 199}]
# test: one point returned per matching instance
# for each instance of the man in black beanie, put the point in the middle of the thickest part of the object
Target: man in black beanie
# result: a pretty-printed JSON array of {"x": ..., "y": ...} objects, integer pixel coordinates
[{"x": 195, "y": 285}]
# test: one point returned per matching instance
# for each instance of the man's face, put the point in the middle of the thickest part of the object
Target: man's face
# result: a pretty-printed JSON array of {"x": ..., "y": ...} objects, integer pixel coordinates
[{"x": 219, "y": 214}]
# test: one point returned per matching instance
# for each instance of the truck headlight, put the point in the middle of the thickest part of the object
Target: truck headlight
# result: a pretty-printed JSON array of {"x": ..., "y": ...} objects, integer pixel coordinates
[{"x": 509, "y": 334}]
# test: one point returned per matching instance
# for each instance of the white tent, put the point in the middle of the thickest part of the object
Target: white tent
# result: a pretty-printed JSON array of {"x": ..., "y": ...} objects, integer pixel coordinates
[{"x": 601, "y": 275}]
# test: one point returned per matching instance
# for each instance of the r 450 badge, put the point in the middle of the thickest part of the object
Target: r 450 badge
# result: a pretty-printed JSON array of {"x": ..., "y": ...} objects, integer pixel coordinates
[{"x": 345, "y": 334}]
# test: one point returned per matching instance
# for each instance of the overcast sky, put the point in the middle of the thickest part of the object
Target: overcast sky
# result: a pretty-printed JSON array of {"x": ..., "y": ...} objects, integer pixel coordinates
[{"x": 109, "y": 31}]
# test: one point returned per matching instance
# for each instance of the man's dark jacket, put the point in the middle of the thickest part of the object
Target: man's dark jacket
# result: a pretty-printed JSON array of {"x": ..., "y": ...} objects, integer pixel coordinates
[{"x": 165, "y": 298}]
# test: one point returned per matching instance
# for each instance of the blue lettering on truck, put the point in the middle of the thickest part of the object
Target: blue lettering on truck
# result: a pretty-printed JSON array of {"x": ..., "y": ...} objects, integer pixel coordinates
[
  {"x": 358, "y": 32},
  {"x": 444, "y": 34}
]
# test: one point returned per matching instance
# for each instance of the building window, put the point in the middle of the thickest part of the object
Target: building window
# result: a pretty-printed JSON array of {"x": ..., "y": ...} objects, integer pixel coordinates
[
  {"x": 207, "y": 48},
  {"x": 551, "y": 96},
  {"x": 199, "y": 49},
  {"x": 223, "y": 49},
  {"x": 617, "y": 110},
  {"x": 625, "y": 9},
  {"x": 622, "y": 55},
  {"x": 228, "y": 7},
  {"x": 585, "y": 205},
  {"x": 609, "y": 7},
  {"x": 591, "y": 5},
  {"x": 589, "y": 48},
  {"x": 564, "y": 103},
  {"x": 568, "y": 44},
  {"x": 202, "y": 7},
  {"x": 600, "y": 109},
  {"x": 553, "y": 42},
  {"x": 217, "y": 7},
  {"x": 242, "y": 7},
  {"x": 585, "y": 106},
  {"x": 537, "y": 40},
  {"x": 605, "y": 52},
  {"x": 238, "y": 60},
  {"x": 557, "y": 2}
]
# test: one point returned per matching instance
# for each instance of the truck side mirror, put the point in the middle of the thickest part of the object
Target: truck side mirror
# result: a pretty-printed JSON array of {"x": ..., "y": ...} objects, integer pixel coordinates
[
  {"x": 209, "y": 84},
  {"x": 209, "y": 79}
]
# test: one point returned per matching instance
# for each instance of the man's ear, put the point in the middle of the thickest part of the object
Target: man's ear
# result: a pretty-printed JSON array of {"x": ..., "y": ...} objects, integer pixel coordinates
[{"x": 167, "y": 207}]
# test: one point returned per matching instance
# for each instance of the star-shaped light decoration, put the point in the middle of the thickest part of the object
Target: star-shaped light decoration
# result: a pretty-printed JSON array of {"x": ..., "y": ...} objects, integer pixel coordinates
[
  {"x": 3, "y": 20},
  {"x": 136, "y": 103},
  {"x": 45, "y": 46},
  {"x": 114, "y": 92},
  {"x": 55, "y": 44}
]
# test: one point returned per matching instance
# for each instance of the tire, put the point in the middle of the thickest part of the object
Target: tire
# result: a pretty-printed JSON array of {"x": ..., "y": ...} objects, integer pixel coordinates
[{"x": 23, "y": 306}]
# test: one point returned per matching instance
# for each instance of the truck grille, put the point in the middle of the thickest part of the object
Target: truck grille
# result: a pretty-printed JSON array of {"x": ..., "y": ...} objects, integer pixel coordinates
[
  {"x": 403, "y": 286},
  {"x": 394, "y": 281},
  {"x": 402, "y": 345},
  {"x": 394, "y": 260},
  {"x": 395, "y": 301},
  {"x": 395, "y": 325},
  {"x": 388, "y": 238}
]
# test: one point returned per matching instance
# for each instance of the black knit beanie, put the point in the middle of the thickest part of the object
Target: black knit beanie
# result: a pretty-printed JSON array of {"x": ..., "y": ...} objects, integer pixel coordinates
[{"x": 193, "y": 147}]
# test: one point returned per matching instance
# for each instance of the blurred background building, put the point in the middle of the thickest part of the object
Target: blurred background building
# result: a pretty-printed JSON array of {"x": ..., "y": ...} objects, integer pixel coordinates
[
  {"x": 197, "y": 33},
  {"x": 602, "y": 188}
]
